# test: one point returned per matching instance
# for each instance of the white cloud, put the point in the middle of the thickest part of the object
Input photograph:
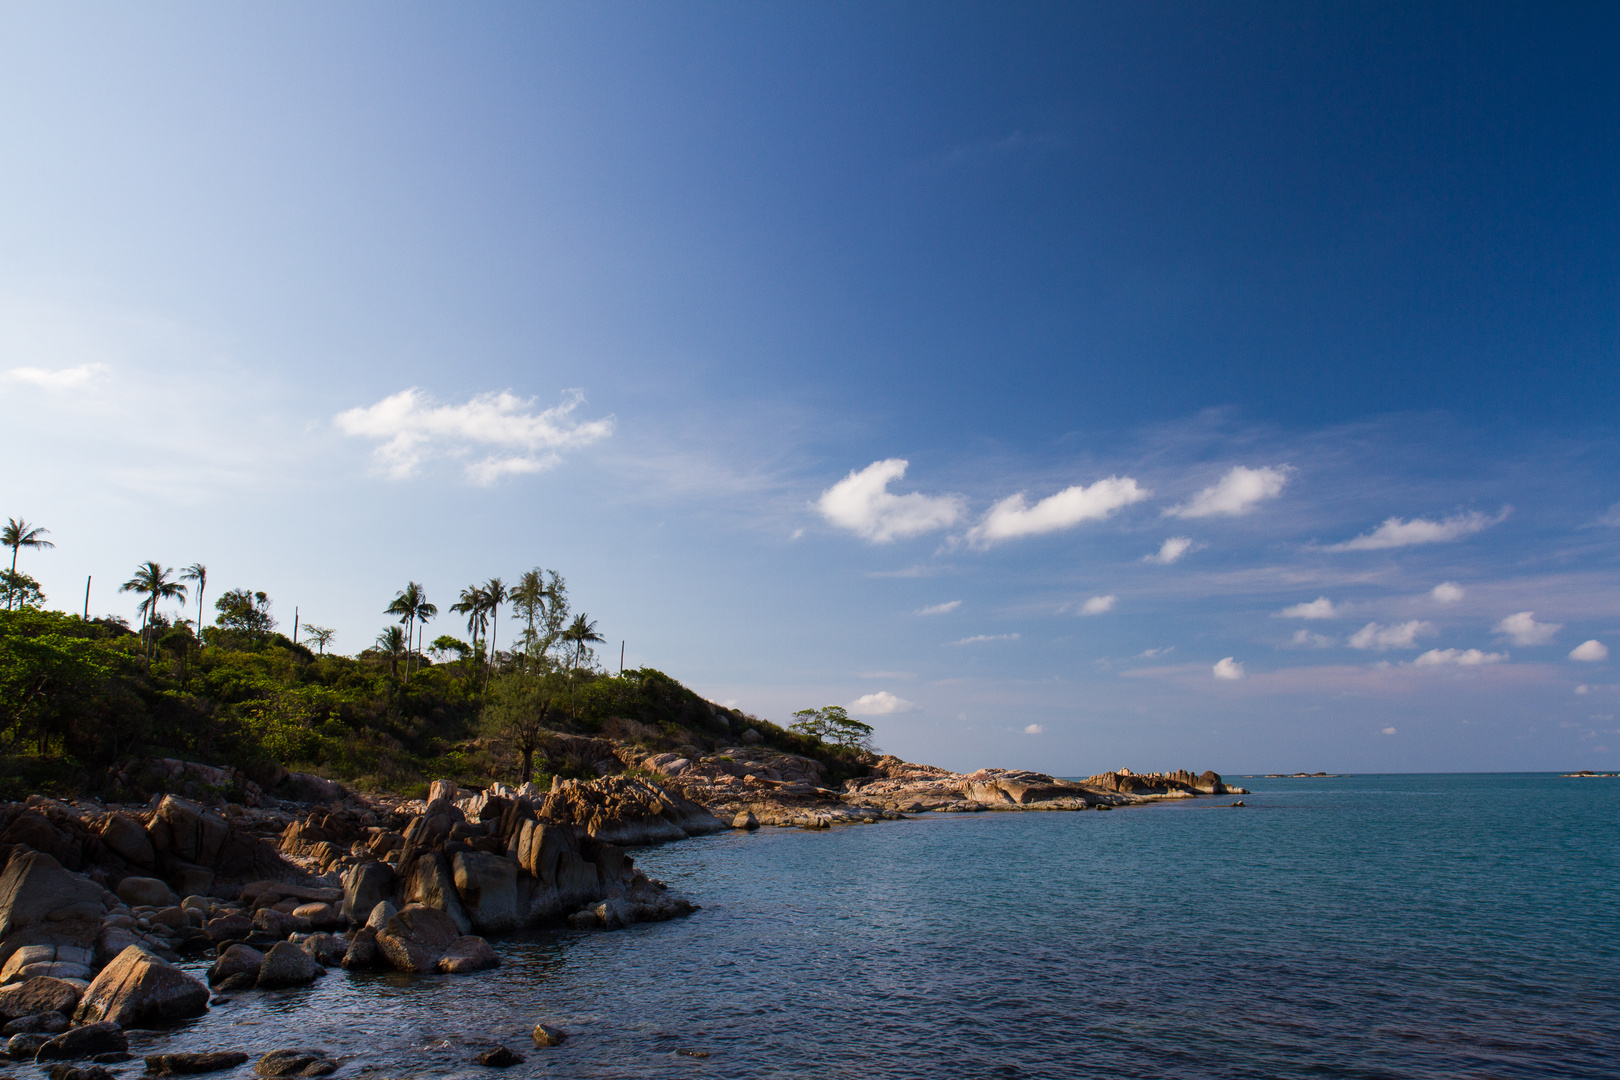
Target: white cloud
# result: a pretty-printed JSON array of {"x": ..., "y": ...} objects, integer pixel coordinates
[
  {"x": 1306, "y": 639},
  {"x": 1034, "y": 729},
  {"x": 1154, "y": 654},
  {"x": 1611, "y": 516},
  {"x": 1524, "y": 630},
  {"x": 1460, "y": 657},
  {"x": 413, "y": 427},
  {"x": 1583, "y": 689},
  {"x": 1236, "y": 493},
  {"x": 940, "y": 609},
  {"x": 1228, "y": 668},
  {"x": 1400, "y": 636},
  {"x": 1098, "y": 605},
  {"x": 881, "y": 703},
  {"x": 980, "y": 638},
  {"x": 1387, "y": 731},
  {"x": 862, "y": 503},
  {"x": 1590, "y": 651},
  {"x": 1447, "y": 592},
  {"x": 1320, "y": 608},
  {"x": 1012, "y": 517},
  {"x": 1171, "y": 550},
  {"x": 1395, "y": 532},
  {"x": 58, "y": 379}
]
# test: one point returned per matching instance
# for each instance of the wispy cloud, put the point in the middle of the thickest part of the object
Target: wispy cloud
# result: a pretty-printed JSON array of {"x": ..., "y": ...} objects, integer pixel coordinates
[
  {"x": 413, "y": 427},
  {"x": 1228, "y": 668},
  {"x": 1034, "y": 729},
  {"x": 1523, "y": 629},
  {"x": 1306, "y": 639},
  {"x": 1098, "y": 605},
  {"x": 1592, "y": 651},
  {"x": 54, "y": 379},
  {"x": 917, "y": 570},
  {"x": 1381, "y": 638},
  {"x": 1238, "y": 492},
  {"x": 1012, "y": 517},
  {"x": 1154, "y": 654},
  {"x": 1171, "y": 551},
  {"x": 1320, "y": 608},
  {"x": 1611, "y": 517},
  {"x": 940, "y": 609},
  {"x": 1458, "y": 658},
  {"x": 862, "y": 503},
  {"x": 979, "y": 639},
  {"x": 881, "y": 703},
  {"x": 1396, "y": 532},
  {"x": 1447, "y": 592}
]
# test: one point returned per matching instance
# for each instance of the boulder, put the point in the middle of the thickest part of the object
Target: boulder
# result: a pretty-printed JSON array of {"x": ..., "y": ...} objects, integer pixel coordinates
[
  {"x": 24, "y": 1046},
  {"x": 380, "y": 915},
  {"x": 487, "y": 886},
  {"x": 85, "y": 1072},
  {"x": 288, "y": 965},
  {"x": 752, "y": 737},
  {"x": 319, "y": 916},
  {"x": 467, "y": 955},
  {"x": 366, "y": 885},
  {"x": 233, "y": 961},
  {"x": 415, "y": 939},
  {"x": 745, "y": 820},
  {"x": 140, "y": 990},
  {"x": 280, "y": 923},
  {"x": 31, "y": 960},
  {"x": 327, "y": 949},
  {"x": 298, "y": 1062},
  {"x": 113, "y": 941},
  {"x": 126, "y": 837},
  {"x": 144, "y": 892},
  {"x": 35, "y": 887},
  {"x": 546, "y": 1035},
  {"x": 192, "y": 1064},
  {"x": 184, "y": 831},
  {"x": 362, "y": 951},
  {"x": 39, "y": 995},
  {"x": 48, "y": 1023},
  {"x": 229, "y": 927},
  {"x": 430, "y": 883},
  {"x": 104, "y": 1037}
]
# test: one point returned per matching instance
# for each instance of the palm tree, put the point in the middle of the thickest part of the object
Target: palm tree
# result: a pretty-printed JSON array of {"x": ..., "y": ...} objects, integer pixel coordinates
[
  {"x": 529, "y": 596},
  {"x": 199, "y": 573},
  {"x": 320, "y": 635},
  {"x": 406, "y": 605},
  {"x": 391, "y": 642},
  {"x": 473, "y": 605},
  {"x": 17, "y": 535},
  {"x": 580, "y": 633},
  {"x": 152, "y": 581},
  {"x": 494, "y": 596},
  {"x": 424, "y": 612}
]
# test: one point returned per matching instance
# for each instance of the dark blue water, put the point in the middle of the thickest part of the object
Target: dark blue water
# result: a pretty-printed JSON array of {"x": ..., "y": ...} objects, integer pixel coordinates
[{"x": 1385, "y": 926}]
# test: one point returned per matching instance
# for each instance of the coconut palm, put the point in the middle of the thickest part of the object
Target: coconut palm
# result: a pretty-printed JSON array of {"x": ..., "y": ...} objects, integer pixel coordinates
[
  {"x": 424, "y": 612},
  {"x": 152, "y": 581},
  {"x": 475, "y": 606},
  {"x": 580, "y": 634},
  {"x": 391, "y": 643},
  {"x": 199, "y": 573},
  {"x": 407, "y": 605},
  {"x": 320, "y": 635},
  {"x": 17, "y": 535},
  {"x": 495, "y": 595},
  {"x": 529, "y": 598}
]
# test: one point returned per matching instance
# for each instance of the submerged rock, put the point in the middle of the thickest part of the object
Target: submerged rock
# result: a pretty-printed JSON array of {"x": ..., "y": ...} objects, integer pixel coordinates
[
  {"x": 82, "y": 1042},
  {"x": 546, "y": 1035},
  {"x": 192, "y": 1064},
  {"x": 466, "y": 955},
  {"x": 500, "y": 1058},
  {"x": 295, "y": 1062}
]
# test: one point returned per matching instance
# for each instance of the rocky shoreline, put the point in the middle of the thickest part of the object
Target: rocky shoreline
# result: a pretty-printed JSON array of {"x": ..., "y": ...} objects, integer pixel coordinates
[{"x": 100, "y": 901}]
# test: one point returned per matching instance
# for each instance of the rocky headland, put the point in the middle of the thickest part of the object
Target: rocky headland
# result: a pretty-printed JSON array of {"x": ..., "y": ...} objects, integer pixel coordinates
[{"x": 272, "y": 885}]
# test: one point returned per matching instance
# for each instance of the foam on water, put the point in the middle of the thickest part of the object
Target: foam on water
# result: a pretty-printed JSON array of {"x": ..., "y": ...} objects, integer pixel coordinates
[{"x": 1392, "y": 926}]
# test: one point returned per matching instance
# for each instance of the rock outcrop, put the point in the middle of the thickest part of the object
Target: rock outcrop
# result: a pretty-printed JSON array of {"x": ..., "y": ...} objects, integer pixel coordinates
[{"x": 139, "y": 989}]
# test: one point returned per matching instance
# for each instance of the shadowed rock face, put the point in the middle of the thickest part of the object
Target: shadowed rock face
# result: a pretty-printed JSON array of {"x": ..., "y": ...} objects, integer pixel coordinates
[
  {"x": 626, "y": 810},
  {"x": 417, "y": 938},
  {"x": 35, "y": 887}
]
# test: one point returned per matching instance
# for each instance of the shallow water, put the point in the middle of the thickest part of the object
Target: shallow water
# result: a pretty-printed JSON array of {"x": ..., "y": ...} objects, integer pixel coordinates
[{"x": 1381, "y": 926}]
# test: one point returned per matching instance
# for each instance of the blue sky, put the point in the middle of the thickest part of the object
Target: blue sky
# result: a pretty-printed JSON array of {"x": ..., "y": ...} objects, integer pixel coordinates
[{"x": 1062, "y": 387}]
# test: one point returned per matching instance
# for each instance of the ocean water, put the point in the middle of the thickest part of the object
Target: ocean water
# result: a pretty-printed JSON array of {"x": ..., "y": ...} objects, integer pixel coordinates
[{"x": 1375, "y": 926}]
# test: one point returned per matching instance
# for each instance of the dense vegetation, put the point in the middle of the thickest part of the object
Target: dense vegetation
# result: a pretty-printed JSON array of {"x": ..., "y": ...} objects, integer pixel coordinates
[{"x": 77, "y": 695}]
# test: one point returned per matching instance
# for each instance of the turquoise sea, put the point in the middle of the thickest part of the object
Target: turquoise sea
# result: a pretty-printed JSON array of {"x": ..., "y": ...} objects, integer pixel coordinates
[{"x": 1370, "y": 926}]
